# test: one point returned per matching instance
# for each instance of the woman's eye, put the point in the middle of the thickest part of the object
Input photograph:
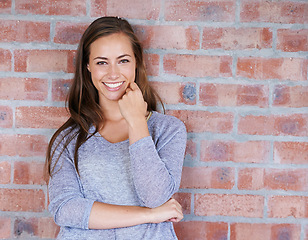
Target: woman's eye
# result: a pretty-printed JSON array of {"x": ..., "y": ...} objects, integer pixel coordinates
[
  {"x": 101, "y": 63},
  {"x": 124, "y": 61}
]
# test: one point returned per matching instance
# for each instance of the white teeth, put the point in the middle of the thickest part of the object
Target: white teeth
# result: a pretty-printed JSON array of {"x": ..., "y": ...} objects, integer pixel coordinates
[{"x": 113, "y": 85}]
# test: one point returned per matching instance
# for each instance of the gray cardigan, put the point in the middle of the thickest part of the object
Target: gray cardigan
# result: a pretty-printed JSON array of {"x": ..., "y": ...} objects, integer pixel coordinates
[{"x": 147, "y": 173}]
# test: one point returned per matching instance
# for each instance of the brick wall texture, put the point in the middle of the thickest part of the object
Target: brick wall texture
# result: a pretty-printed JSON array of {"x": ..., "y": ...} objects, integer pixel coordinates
[{"x": 234, "y": 71}]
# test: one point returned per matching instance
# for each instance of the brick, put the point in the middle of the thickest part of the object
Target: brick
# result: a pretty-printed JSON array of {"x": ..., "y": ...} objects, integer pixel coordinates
[
  {"x": 162, "y": 37},
  {"x": 23, "y": 89},
  {"x": 227, "y": 38},
  {"x": 286, "y": 179},
  {"x": 40, "y": 227},
  {"x": 251, "y": 231},
  {"x": 202, "y": 121},
  {"x": 222, "y": 151},
  {"x": 185, "y": 200},
  {"x": 175, "y": 92},
  {"x": 211, "y": 11},
  {"x": 191, "y": 149},
  {"x": 229, "y": 205},
  {"x": 42, "y": 60},
  {"x": 25, "y": 200},
  {"x": 151, "y": 64},
  {"x": 60, "y": 89},
  {"x": 286, "y": 206},
  {"x": 5, "y": 228},
  {"x": 5, "y": 7},
  {"x": 50, "y": 7},
  {"x": 198, "y": 65},
  {"x": 5, "y": 175},
  {"x": 24, "y": 31},
  {"x": 6, "y": 116},
  {"x": 40, "y": 117},
  {"x": 69, "y": 33},
  {"x": 292, "y": 40},
  {"x": 195, "y": 230},
  {"x": 286, "y": 231},
  {"x": 290, "y": 96},
  {"x": 294, "y": 69},
  {"x": 6, "y": 57},
  {"x": 207, "y": 177},
  {"x": 29, "y": 172},
  {"x": 275, "y": 12},
  {"x": 233, "y": 95},
  {"x": 23, "y": 145},
  {"x": 250, "y": 178},
  {"x": 291, "y": 152},
  {"x": 135, "y": 9},
  {"x": 277, "y": 125}
]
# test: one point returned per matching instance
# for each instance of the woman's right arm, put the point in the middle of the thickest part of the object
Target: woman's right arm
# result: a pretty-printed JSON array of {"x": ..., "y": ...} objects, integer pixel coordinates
[{"x": 70, "y": 207}]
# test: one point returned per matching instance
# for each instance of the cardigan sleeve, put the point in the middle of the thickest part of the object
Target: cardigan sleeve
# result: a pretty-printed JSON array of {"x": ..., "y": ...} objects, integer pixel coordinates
[
  {"x": 67, "y": 204},
  {"x": 157, "y": 166}
]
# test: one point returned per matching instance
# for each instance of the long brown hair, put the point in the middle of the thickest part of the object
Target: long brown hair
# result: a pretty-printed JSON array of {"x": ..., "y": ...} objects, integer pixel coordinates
[{"x": 83, "y": 102}]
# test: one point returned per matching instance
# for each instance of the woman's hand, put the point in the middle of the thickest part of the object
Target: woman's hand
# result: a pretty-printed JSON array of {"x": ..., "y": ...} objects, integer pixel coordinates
[
  {"x": 132, "y": 105},
  {"x": 171, "y": 211}
]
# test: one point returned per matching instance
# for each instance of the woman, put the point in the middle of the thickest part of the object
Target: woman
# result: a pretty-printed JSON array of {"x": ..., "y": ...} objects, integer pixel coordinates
[{"x": 115, "y": 164}]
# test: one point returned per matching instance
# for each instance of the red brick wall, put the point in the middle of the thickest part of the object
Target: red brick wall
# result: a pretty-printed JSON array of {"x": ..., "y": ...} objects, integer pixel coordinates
[{"x": 235, "y": 71}]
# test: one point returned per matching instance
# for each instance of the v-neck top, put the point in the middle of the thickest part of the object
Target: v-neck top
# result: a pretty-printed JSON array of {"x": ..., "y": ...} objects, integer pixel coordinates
[{"x": 146, "y": 173}]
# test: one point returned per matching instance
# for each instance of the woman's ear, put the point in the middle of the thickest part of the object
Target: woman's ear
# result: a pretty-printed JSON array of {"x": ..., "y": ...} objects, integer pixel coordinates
[{"x": 88, "y": 67}]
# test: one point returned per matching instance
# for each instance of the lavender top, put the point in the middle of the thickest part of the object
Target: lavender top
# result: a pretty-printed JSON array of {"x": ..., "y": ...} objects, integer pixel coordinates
[{"x": 146, "y": 173}]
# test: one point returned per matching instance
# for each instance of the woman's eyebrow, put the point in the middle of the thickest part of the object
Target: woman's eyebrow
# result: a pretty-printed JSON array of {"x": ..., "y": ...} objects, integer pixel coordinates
[{"x": 121, "y": 56}]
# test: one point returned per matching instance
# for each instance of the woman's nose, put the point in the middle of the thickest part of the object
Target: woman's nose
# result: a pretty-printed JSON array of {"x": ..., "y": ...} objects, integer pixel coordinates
[{"x": 114, "y": 72}]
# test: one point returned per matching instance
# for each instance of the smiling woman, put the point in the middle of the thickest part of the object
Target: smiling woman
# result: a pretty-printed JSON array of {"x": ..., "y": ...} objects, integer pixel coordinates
[{"x": 115, "y": 164}]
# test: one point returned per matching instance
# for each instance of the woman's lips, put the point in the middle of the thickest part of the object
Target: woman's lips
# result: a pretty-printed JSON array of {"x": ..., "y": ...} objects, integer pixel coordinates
[{"x": 113, "y": 86}]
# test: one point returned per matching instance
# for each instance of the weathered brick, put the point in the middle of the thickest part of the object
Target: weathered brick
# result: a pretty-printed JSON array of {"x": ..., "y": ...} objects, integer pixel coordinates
[
  {"x": 233, "y": 95},
  {"x": 26, "y": 200},
  {"x": 152, "y": 64},
  {"x": 42, "y": 60},
  {"x": 5, "y": 6},
  {"x": 198, "y": 230},
  {"x": 290, "y": 96},
  {"x": 5, "y": 228},
  {"x": 294, "y": 69},
  {"x": 211, "y": 11},
  {"x": 275, "y": 12},
  {"x": 294, "y": 125},
  {"x": 185, "y": 200},
  {"x": 23, "y": 145},
  {"x": 286, "y": 206},
  {"x": 50, "y": 7},
  {"x": 198, "y": 65},
  {"x": 207, "y": 177},
  {"x": 175, "y": 92},
  {"x": 135, "y": 9},
  {"x": 191, "y": 149},
  {"x": 5, "y": 174},
  {"x": 40, "y": 117},
  {"x": 162, "y": 37},
  {"x": 250, "y": 178},
  {"x": 69, "y": 33},
  {"x": 229, "y": 205},
  {"x": 39, "y": 227},
  {"x": 23, "y": 89},
  {"x": 24, "y": 31},
  {"x": 6, "y": 58},
  {"x": 29, "y": 173},
  {"x": 201, "y": 121},
  {"x": 227, "y": 38},
  {"x": 251, "y": 231},
  {"x": 292, "y": 40},
  {"x": 288, "y": 231},
  {"x": 60, "y": 89},
  {"x": 291, "y": 152},
  {"x": 286, "y": 179},
  {"x": 222, "y": 151},
  {"x": 6, "y": 116}
]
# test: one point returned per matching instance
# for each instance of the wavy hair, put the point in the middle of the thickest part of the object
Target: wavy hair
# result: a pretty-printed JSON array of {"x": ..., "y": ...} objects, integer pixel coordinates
[{"x": 83, "y": 101}]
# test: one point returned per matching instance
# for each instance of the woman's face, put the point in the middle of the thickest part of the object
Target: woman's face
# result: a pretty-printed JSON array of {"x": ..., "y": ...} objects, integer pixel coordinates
[{"x": 112, "y": 65}]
